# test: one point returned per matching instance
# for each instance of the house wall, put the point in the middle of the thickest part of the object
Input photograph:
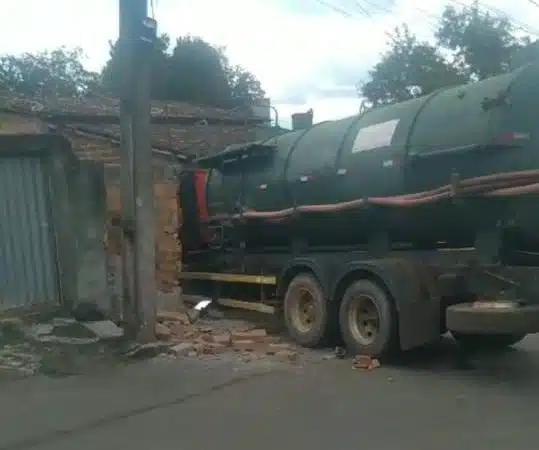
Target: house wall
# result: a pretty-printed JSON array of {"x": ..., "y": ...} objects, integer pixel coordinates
[
  {"x": 54, "y": 229},
  {"x": 194, "y": 140}
]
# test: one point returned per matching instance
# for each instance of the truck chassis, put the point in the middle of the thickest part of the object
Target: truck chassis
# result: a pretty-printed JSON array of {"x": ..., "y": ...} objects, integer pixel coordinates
[{"x": 379, "y": 301}]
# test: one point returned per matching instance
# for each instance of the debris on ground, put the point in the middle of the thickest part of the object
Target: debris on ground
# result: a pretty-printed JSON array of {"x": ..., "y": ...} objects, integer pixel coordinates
[
  {"x": 190, "y": 339},
  {"x": 143, "y": 351},
  {"x": 364, "y": 362},
  {"x": 60, "y": 345},
  {"x": 105, "y": 329},
  {"x": 64, "y": 345},
  {"x": 340, "y": 352}
]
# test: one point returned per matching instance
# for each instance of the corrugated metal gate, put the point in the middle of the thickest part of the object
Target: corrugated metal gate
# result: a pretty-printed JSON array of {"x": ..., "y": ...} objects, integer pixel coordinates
[{"x": 28, "y": 261}]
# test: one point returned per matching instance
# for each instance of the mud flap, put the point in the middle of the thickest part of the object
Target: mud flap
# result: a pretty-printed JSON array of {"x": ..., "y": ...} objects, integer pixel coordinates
[{"x": 418, "y": 302}]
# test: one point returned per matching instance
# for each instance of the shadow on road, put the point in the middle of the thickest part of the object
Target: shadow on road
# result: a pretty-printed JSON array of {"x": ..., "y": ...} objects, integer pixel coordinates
[{"x": 517, "y": 367}]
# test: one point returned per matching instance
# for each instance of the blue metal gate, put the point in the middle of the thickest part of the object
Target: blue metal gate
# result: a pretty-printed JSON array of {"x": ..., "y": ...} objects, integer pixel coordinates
[{"x": 28, "y": 257}]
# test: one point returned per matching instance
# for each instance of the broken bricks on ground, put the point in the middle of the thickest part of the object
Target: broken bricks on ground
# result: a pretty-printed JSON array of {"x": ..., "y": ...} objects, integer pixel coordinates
[
  {"x": 179, "y": 337},
  {"x": 188, "y": 339}
]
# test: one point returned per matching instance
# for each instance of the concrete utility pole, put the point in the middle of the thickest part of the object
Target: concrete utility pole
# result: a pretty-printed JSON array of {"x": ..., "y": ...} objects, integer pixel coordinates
[{"x": 137, "y": 35}]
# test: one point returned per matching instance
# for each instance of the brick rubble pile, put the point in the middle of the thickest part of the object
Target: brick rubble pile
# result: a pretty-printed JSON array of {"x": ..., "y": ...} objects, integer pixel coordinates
[{"x": 191, "y": 340}]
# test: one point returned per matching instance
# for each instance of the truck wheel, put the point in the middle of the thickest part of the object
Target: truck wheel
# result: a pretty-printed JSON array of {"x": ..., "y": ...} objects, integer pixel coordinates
[
  {"x": 305, "y": 311},
  {"x": 487, "y": 341},
  {"x": 368, "y": 320}
]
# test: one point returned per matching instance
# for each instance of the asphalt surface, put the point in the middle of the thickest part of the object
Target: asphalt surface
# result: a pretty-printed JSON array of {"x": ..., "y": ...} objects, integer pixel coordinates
[{"x": 422, "y": 403}]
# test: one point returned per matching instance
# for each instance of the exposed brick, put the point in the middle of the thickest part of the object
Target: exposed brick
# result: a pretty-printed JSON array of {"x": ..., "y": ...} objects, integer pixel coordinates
[
  {"x": 183, "y": 348},
  {"x": 213, "y": 348},
  {"x": 162, "y": 332},
  {"x": 244, "y": 344},
  {"x": 172, "y": 316},
  {"x": 253, "y": 335},
  {"x": 189, "y": 334},
  {"x": 207, "y": 338},
  {"x": 223, "y": 339},
  {"x": 362, "y": 362},
  {"x": 199, "y": 347},
  {"x": 365, "y": 363}
]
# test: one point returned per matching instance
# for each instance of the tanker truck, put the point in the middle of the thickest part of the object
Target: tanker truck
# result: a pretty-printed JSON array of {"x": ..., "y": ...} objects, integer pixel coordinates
[{"x": 388, "y": 228}]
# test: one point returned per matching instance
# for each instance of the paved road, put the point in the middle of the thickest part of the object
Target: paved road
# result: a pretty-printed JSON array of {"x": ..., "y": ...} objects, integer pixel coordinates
[{"x": 422, "y": 404}]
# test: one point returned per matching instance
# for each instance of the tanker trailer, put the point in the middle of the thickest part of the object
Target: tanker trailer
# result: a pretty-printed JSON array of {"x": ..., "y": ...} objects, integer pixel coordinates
[{"x": 379, "y": 200}]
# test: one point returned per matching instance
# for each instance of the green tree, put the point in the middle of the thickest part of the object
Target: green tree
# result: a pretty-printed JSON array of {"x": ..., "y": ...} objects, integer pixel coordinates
[
  {"x": 408, "y": 69},
  {"x": 192, "y": 71},
  {"x": 111, "y": 76},
  {"x": 197, "y": 73},
  {"x": 245, "y": 88},
  {"x": 482, "y": 44},
  {"x": 58, "y": 72},
  {"x": 470, "y": 45}
]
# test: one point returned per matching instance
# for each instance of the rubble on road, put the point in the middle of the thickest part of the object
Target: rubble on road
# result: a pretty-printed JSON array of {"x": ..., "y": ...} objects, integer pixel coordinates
[
  {"x": 364, "y": 362},
  {"x": 104, "y": 329},
  {"x": 60, "y": 345},
  {"x": 188, "y": 339},
  {"x": 143, "y": 351}
]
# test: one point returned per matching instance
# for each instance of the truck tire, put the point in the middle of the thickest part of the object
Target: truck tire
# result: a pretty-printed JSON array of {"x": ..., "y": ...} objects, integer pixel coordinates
[
  {"x": 368, "y": 320},
  {"x": 306, "y": 311},
  {"x": 487, "y": 341}
]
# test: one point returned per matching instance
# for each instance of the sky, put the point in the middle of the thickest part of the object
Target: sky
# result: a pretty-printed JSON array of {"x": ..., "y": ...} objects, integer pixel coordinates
[{"x": 305, "y": 53}]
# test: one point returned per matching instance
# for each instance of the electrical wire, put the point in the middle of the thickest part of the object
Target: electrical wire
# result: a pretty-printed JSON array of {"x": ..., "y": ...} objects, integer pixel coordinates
[
  {"x": 363, "y": 10},
  {"x": 519, "y": 25},
  {"x": 336, "y": 9},
  {"x": 350, "y": 15},
  {"x": 497, "y": 12}
]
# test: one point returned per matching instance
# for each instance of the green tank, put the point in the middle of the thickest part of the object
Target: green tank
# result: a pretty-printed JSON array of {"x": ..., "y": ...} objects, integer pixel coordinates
[{"x": 408, "y": 169}]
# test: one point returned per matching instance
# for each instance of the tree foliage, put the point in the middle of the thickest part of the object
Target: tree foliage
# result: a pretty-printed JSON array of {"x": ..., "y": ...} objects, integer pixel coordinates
[
  {"x": 111, "y": 75},
  {"x": 192, "y": 71},
  {"x": 410, "y": 68},
  {"x": 469, "y": 45},
  {"x": 481, "y": 43},
  {"x": 60, "y": 72}
]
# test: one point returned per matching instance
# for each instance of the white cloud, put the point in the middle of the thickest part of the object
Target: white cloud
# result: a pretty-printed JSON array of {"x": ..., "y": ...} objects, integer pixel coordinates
[{"x": 297, "y": 48}]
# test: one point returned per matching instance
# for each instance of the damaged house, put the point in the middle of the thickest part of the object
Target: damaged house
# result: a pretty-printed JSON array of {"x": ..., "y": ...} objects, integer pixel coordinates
[{"x": 180, "y": 131}]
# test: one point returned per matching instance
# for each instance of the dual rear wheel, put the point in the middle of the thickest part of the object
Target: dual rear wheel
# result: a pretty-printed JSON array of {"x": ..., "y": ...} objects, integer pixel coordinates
[
  {"x": 366, "y": 319},
  {"x": 366, "y": 316}
]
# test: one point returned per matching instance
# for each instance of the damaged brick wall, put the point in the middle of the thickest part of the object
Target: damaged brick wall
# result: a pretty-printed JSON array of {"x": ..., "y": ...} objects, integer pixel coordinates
[{"x": 167, "y": 246}]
